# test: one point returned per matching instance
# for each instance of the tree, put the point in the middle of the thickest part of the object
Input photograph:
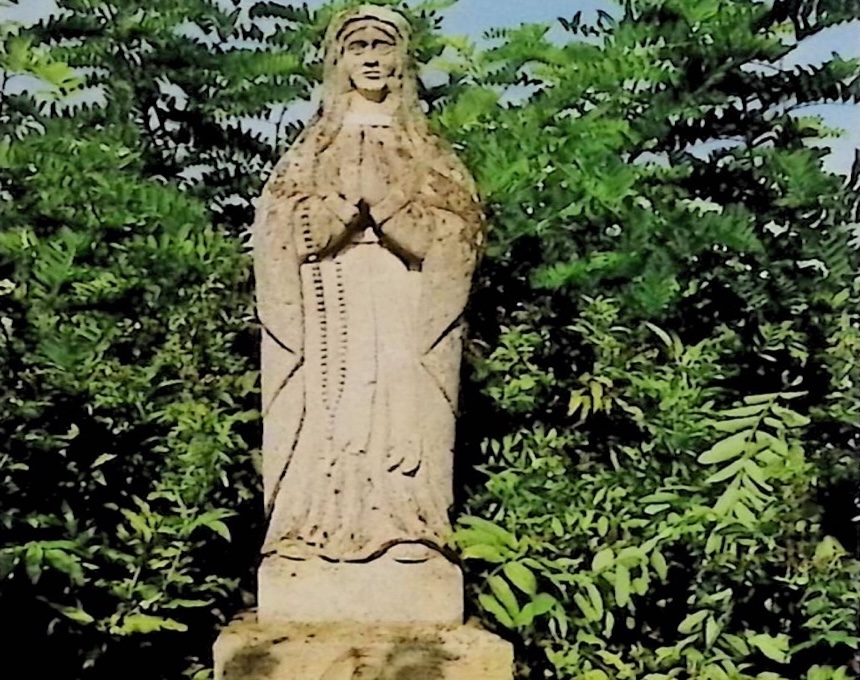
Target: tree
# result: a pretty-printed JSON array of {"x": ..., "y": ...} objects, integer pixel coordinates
[
  {"x": 130, "y": 416},
  {"x": 664, "y": 353}
]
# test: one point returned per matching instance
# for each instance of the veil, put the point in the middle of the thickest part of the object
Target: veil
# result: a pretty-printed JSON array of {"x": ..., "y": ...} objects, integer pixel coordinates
[{"x": 448, "y": 180}]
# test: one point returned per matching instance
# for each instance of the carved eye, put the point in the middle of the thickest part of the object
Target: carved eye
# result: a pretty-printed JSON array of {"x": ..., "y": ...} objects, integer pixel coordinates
[{"x": 356, "y": 46}]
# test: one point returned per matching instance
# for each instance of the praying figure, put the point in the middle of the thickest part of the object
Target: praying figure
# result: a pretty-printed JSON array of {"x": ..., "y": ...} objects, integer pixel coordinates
[{"x": 365, "y": 241}]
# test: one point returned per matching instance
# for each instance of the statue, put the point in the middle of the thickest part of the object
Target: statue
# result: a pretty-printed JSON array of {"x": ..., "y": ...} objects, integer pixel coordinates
[
  {"x": 365, "y": 241},
  {"x": 366, "y": 238}
]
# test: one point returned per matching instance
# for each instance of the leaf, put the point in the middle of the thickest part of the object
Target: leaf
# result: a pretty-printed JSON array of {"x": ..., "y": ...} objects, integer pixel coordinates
[
  {"x": 744, "y": 515},
  {"x": 103, "y": 458},
  {"x": 57, "y": 74},
  {"x": 773, "y": 396},
  {"x": 726, "y": 449},
  {"x": 776, "y": 444},
  {"x": 608, "y": 624},
  {"x": 586, "y": 608},
  {"x": 660, "y": 333},
  {"x": 712, "y": 631},
  {"x": 773, "y": 647},
  {"x": 743, "y": 411},
  {"x": 761, "y": 398},
  {"x": 630, "y": 556},
  {"x": 542, "y": 604},
  {"x": 729, "y": 471},
  {"x": 504, "y": 594},
  {"x": 66, "y": 563},
  {"x": 791, "y": 418},
  {"x": 595, "y": 674},
  {"x": 33, "y": 560},
  {"x": 576, "y": 401},
  {"x": 219, "y": 528},
  {"x": 622, "y": 585},
  {"x": 659, "y": 564},
  {"x": 602, "y": 525},
  {"x": 19, "y": 54},
  {"x": 640, "y": 584},
  {"x": 659, "y": 497},
  {"x": 500, "y": 533},
  {"x": 488, "y": 553},
  {"x": 138, "y": 523},
  {"x": 76, "y": 614},
  {"x": 145, "y": 623},
  {"x": 756, "y": 474},
  {"x": 521, "y": 576},
  {"x": 8, "y": 563},
  {"x": 464, "y": 538},
  {"x": 728, "y": 498},
  {"x": 788, "y": 396},
  {"x": 613, "y": 659},
  {"x": 492, "y": 605},
  {"x": 596, "y": 600},
  {"x": 737, "y": 643},
  {"x": 602, "y": 560},
  {"x": 596, "y": 394},
  {"x": 692, "y": 622}
]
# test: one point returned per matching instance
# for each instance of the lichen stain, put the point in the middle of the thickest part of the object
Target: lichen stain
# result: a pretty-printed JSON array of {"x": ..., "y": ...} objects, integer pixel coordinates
[
  {"x": 251, "y": 663},
  {"x": 416, "y": 661},
  {"x": 405, "y": 660}
]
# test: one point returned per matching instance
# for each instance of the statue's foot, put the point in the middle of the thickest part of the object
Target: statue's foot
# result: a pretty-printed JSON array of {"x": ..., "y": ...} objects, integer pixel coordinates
[{"x": 411, "y": 552}]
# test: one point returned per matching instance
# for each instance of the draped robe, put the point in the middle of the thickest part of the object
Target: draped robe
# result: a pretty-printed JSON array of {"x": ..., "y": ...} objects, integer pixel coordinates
[{"x": 361, "y": 343}]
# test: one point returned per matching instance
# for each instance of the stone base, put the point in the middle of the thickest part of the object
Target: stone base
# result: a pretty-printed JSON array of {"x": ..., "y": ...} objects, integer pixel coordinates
[
  {"x": 316, "y": 591},
  {"x": 246, "y": 650}
]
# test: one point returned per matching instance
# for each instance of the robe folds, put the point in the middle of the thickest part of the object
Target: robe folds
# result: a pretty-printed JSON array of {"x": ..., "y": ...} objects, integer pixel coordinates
[{"x": 361, "y": 342}]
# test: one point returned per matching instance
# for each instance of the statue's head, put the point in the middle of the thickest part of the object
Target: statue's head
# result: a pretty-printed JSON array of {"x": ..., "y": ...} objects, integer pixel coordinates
[{"x": 367, "y": 52}]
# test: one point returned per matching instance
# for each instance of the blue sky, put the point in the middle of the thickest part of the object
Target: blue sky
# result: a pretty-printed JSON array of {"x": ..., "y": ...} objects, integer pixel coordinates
[{"x": 473, "y": 17}]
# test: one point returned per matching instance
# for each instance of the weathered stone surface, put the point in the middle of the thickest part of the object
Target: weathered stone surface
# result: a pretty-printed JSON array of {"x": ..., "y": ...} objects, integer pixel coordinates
[
  {"x": 246, "y": 651},
  {"x": 381, "y": 590},
  {"x": 365, "y": 241}
]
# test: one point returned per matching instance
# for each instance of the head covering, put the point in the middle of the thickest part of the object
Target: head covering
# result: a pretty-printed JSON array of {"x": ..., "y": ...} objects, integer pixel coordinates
[
  {"x": 295, "y": 173},
  {"x": 336, "y": 79}
]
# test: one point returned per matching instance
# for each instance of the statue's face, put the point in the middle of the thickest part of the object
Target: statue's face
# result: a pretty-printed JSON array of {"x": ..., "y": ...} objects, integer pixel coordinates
[{"x": 370, "y": 58}]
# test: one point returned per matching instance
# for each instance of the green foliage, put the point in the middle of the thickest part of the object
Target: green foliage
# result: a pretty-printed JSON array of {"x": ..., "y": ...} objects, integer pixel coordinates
[
  {"x": 664, "y": 373},
  {"x": 128, "y": 350},
  {"x": 126, "y": 402},
  {"x": 694, "y": 546}
]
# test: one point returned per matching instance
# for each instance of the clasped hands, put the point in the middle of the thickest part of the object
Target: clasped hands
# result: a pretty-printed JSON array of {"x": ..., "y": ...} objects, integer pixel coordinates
[
  {"x": 373, "y": 212},
  {"x": 369, "y": 215}
]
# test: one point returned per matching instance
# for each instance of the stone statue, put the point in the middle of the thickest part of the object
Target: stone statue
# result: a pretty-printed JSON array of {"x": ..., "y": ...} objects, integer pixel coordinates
[{"x": 366, "y": 238}]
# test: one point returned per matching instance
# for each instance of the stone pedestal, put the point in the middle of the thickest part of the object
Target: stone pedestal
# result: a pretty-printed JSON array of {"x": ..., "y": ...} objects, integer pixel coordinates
[
  {"x": 247, "y": 650},
  {"x": 311, "y": 591}
]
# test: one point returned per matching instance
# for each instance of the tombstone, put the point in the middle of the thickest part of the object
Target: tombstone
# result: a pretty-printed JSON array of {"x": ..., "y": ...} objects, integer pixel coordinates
[{"x": 365, "y": 241}]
